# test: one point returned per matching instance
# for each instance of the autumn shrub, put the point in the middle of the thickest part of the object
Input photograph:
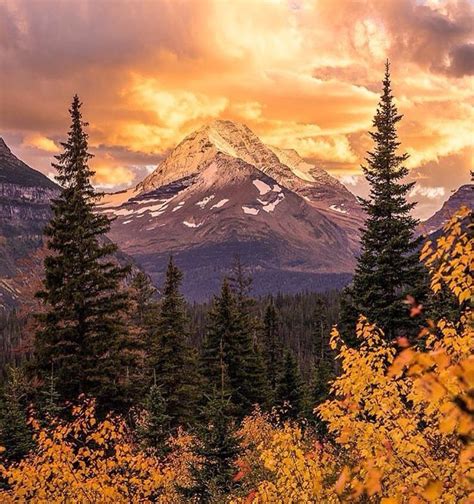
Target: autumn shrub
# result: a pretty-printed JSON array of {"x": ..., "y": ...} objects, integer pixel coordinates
[
  {"x": 401, "y": 416},
  {"x": 86, "y": 461}
]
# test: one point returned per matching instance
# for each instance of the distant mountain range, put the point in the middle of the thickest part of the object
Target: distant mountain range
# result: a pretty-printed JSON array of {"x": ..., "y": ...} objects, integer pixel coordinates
[{"x": 220, "y": 193}]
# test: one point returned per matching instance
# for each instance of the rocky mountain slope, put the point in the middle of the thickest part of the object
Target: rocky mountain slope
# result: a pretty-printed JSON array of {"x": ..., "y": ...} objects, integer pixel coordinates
[
  {"x": 222, "y": 192},
  {"x": 25, "y": 196},
  {"x": 464, "y": 196}
]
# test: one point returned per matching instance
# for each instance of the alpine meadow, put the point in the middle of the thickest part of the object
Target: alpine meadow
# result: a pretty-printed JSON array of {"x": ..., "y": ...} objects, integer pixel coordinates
[{"x": 236, "y": 269}]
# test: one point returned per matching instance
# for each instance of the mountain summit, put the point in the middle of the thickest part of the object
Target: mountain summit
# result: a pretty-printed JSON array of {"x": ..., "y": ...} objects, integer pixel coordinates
[
  {"x": 238, "y": 141},
  {"x": 222, "y": 192},
  {"x": 16, "y": 172}
]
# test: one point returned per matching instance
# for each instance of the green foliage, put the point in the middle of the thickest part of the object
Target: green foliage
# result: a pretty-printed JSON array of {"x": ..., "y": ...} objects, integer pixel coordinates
[
  {"x": 219, "y": 344},
  {"x": 82, "y": 334},
  {"x": 388, "y": 267},
  {"x": 291, "y": 390},
  {"x": 323, "y": 373},
  {"x": 155, "y": 429},
  {"x": 231, "y": 359},
  {"x": 272, "y": 346},
  {"x": 217, "y": 447},
  {"x": 144, "y": 304},
  {"x": 250, "y": 379},
  {"x": 49, "y": 401},
  {"x": 173, "y": 361},
  {"x": 15, "y": 434}
]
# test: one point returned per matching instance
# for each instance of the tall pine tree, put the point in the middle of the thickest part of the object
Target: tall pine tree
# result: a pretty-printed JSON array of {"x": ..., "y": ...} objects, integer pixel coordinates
[
  {"x": 272, "y": 346},
  {"x": 218, "y": 346},
  {"x": 82, "y": 333},
  {"x": 250, "y": 375},
  {"x": 229, "y": 340},
  {"x": 171, "y": 357},
  {"x": 154, "y": 430},
  {"x": 15, "y": 434},
  {"x": 217, "y": 446},
  {"x": 291, "y": 389},
  {"x": 388, "y": 267}
]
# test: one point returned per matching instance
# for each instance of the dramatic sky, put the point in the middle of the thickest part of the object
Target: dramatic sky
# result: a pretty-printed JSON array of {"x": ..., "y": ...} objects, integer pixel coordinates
[{"x": 301, "y": 74}]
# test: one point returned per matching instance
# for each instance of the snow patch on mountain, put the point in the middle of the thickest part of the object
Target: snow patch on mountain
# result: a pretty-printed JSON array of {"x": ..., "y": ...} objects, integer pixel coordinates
[
  {"x": 269, "y": 207},
  {"x": 178, "y": 206},
  {"x": 193, "y": 224},
  {"x": 261, "y": 186},
  {"x": 250, "y": 210},
  {"x": 122, "y": 212},
  {"x": 220, "y": 204},
  {"x": 338, "y": 209},
  {"x": 202, "y": 204}
]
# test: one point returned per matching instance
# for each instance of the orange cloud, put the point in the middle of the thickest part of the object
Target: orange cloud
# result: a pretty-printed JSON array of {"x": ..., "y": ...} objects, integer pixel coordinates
[
  {"x": 301, "y": 73},
  {"x": 40, "y": 142}
]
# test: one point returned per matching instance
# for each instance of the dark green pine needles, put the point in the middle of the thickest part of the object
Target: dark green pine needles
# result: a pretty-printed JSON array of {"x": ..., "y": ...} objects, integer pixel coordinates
[
  {"x": 231, "y": 360},
  {"x": 388, "y": 267},
  {"x": 82, "y": 334},
  {"x": 172, "y": 360}
]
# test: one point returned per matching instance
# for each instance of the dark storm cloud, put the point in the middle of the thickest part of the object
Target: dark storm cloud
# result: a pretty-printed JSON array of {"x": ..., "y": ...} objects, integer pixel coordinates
[{"x": 462, "y": 60}]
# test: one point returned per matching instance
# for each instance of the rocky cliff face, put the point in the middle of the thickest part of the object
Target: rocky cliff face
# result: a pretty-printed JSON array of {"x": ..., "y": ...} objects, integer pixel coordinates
[{"x": 25, "y": 196}]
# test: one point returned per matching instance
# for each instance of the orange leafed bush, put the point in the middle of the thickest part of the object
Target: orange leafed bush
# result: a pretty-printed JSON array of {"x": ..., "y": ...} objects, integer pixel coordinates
[
  {"x": 402, "y": 420},
  {"x": 86, "y": 461}
]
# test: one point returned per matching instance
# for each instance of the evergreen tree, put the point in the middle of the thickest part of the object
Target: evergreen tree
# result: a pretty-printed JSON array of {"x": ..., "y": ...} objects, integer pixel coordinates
[
  {"x": 50, "y": 401},
  {"x": 250, "y": 374},
  {"x": 144, "y": 303},
  {"x": 15, "y": 434},
  {"x": 321, "y": 330},
  {"x": 219, "y": 342},
  {"x": 142, "y": 321},
  {"x": 229, "y": 338},
  {"x": 272, "y": 345},
  {"x": 171, "y": 357},
  {"x": 218, "y": 447},
  {"x": 155, "y": 430},
  {"x": 388, "y": 267},
  {"x": 82, "y": 332},
  {"x": 323, "y": 367},
  {"x": 323, "y": 373},
  {"x": 290, "y": 391}
]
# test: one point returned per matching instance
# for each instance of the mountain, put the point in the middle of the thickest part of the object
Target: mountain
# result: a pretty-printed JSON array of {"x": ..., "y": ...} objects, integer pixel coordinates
[
  {"x": 25, "y": 196},
  {"x": 222, "y": 192},
  {"x": 464, "y": 196}
]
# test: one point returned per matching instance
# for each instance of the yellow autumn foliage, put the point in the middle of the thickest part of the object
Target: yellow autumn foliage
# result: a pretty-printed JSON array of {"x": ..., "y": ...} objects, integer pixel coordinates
[
  {"x": 401, "y": 419},
  {"x": 86, "y": 461}
]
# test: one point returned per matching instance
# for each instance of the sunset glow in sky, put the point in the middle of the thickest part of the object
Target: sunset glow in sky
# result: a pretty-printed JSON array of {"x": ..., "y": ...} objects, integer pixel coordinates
[{"x": 300, "y": 74}]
